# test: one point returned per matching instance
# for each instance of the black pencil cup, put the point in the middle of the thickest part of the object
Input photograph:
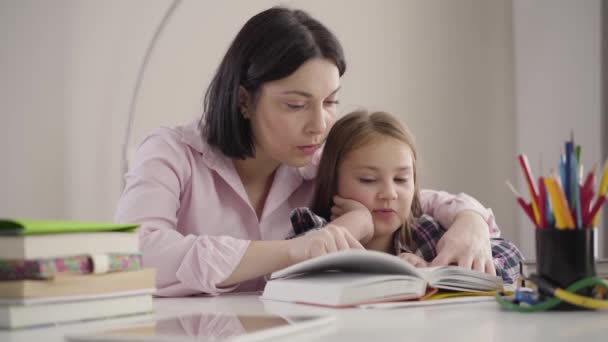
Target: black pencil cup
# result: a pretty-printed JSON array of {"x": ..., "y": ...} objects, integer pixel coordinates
[{"x": 563, "y": 257}]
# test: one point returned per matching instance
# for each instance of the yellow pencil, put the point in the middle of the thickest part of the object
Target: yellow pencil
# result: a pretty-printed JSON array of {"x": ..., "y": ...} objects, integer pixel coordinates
[
  {"x": 604, "y": 181},
  {"x": 555, "y": 203},
  {"x": 602, "y": 190},
  {"x": 565, "y": 209}
]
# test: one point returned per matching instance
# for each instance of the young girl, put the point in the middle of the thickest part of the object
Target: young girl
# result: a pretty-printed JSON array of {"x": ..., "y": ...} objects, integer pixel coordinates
[{"x": 369, "y": 164}]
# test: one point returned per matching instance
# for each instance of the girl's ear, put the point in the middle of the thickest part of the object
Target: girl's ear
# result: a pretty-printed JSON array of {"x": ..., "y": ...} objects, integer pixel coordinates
[{"x": 244, "y": 100}]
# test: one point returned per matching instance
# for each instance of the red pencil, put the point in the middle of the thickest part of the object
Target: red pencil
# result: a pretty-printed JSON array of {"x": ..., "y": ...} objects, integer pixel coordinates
[
  {"x": 586, "y": 197},
  {"x": 525, "y": 166},
  {"x": 589, "y": 177},
  {"x": 586, "y": 190},
  {"x": 588, "y": 219},
  {"x": 527, "y": 209}
]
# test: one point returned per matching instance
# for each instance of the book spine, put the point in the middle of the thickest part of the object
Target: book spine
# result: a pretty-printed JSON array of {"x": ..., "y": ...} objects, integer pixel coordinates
[{"x": 78, "y": 264}]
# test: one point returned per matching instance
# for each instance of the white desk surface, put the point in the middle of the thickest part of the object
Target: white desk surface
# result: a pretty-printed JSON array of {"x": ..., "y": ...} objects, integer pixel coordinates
[{"x": 456, "y": 322}]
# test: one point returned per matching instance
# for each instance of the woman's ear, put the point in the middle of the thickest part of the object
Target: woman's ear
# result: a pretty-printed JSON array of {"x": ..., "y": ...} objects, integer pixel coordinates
[{"x": 244, "y": 100}]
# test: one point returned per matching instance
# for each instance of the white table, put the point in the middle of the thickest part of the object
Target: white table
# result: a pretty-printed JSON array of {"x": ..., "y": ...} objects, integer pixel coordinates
[{"x": 458, "y": 322}]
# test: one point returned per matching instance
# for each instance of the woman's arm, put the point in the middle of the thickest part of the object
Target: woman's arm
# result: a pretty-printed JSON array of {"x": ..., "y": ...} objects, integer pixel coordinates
[
  {"x": 469, "y": 228},
  {"x": 264, "y": 257},
  {"x": 185, "y": 264},
  {"x": 466, "y": 243},
  {"x": 445, "y": 208},
  {"x": 191, "y": 264}
]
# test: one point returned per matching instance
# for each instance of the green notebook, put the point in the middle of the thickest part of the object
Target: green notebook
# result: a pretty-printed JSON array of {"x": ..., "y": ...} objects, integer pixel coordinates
[{"x": 32, "y": 227}]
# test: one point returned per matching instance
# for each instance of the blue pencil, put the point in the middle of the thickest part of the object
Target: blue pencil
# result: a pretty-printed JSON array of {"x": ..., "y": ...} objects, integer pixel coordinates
[
  {"x": 562, "y": 170},
  {"x": 550, "y": 220},
  {"x": 576, "y": 197},
  {"x": 567, "y": 186}
]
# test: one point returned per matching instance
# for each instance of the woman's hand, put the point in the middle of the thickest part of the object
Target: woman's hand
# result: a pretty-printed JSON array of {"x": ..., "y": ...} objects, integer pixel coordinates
[
  {"x": 329, "y": 239},
  {"x": 413, "y": 259},
  {"x": 467, "y": 244}
]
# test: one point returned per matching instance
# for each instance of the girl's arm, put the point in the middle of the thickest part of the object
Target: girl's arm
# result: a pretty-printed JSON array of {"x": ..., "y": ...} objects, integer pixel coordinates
[
  {"x": 353, "y": 216},
  {"x": 506, "y": 258}
]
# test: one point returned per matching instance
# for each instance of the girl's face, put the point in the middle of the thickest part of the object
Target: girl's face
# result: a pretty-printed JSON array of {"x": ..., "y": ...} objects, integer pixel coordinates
[
  {"x": 293, "y": 115},
  {"x": 380, "y": 175}
]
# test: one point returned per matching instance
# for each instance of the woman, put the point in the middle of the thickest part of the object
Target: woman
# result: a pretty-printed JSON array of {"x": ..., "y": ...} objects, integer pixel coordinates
[{"x": 213, "y": 198}]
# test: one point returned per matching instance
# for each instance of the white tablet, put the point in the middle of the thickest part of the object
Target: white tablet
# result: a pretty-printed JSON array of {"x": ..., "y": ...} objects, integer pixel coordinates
[{"x": 213, "y": 327}]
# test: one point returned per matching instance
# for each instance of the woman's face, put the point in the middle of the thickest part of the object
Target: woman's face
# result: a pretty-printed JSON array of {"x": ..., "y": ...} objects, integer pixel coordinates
[
  {"x": 293, "y": 115},
  {"x": 380, "y": 175}
]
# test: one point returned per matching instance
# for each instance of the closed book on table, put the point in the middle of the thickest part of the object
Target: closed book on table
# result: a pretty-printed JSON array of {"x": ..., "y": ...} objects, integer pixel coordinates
[
  {"x": 30, "y": 239},
  {"x": 57, "y": 245},
  {"x": 21, "y": 316},
  {"x": 47, "y": 268},
  {"x": 78, "y": 284},
  {"x": 357, "y": 277}
]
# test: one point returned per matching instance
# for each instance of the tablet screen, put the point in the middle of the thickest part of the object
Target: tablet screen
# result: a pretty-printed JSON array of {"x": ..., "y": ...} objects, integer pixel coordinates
[{"x": 211, "y": 327}]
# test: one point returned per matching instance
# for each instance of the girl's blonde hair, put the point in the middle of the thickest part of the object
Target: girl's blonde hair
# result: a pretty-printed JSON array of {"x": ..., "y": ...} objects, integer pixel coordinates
[{"x": 351, "y": 132}]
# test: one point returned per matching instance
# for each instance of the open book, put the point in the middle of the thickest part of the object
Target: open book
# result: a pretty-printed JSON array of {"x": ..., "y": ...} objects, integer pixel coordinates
[{"x": 356, "y": 277}]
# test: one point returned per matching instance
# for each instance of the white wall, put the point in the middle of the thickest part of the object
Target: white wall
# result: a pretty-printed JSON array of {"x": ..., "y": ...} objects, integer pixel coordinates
[
  {"x": 445, "y": 66},
  {"x": 67, "y": 69},
  {"x": 558, "y": 84},
  {"x": 33, "y": 110}
]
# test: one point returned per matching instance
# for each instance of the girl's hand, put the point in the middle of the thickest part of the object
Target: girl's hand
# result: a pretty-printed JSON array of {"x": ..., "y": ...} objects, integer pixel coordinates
[
  {"x": 329, "y": 239},
  {"x": 467, "y": 244},
  {"x": 344, "y": 205},
  {"x": 354, "y": 216},
  {"x": 414, "y": 259}
]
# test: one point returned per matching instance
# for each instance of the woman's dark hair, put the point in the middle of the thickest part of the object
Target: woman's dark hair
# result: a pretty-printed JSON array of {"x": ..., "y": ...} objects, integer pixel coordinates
[{"x": 272, "y": 45}]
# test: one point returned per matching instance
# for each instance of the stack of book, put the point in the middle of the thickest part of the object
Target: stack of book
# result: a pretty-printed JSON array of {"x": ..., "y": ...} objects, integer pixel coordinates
[{"x": 55, "y": 272}]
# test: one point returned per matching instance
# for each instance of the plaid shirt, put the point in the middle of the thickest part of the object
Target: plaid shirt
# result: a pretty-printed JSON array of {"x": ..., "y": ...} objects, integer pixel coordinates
[{"x": 426, "y": 234}]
